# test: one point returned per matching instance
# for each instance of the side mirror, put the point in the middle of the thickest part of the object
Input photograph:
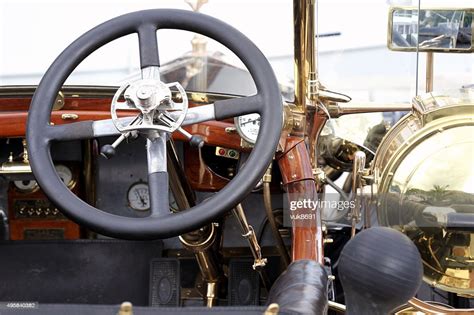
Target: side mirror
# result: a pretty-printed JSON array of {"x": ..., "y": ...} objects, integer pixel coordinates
[{"x": 439, "y": 30}]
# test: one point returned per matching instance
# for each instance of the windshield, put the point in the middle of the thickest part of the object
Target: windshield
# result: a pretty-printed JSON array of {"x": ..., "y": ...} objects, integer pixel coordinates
[{"x": 353, "y": 54}]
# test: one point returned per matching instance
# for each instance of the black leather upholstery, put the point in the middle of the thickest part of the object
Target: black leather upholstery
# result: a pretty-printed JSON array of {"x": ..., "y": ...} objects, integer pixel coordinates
[{"x": 301, "y": 289}]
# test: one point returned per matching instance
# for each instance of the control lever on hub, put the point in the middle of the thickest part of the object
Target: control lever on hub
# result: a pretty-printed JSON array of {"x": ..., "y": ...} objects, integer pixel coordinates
[
  {"x": 380, "y": 269},
  {"x": 108, "y": 150},
  {"x": 194, "y": 140}
]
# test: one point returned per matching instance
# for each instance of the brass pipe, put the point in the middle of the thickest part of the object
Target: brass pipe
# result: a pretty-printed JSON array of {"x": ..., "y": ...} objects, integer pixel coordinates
[
  {"x": 249, "y": 233},
  {"x": 429, "y": 71},
  {"x": 211, "y": 294},
  {"x": 338, "y": 110},
  {"x": 267, "y": 199},
  {"x": 202, "y": 249},
  {"x": 306, "y": 63},
  {"x": 200, "y": 242},
  {"x": 358, "y": 168},
  {"x": 340, "y": 308},
  {"x": 179, "y": 185},
  {"x": 307, "y": 86},
  {"x": 315, "y": 121}
]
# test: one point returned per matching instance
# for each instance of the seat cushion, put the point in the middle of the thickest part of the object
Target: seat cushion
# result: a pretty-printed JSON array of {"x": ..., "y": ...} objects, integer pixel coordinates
[{"x": 78, "y": 271}]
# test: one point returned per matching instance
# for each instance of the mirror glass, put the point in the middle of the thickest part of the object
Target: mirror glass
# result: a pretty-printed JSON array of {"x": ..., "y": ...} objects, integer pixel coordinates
[{"x": 438, "y": 30}]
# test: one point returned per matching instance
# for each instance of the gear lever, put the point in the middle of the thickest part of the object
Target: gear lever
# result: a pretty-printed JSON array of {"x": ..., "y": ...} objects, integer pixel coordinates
[{"x": 380, "y": 269}]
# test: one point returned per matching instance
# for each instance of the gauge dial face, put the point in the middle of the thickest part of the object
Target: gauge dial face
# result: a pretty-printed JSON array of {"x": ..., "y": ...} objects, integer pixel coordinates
[
  {"x": 139, "y": 197},
  {"x": 248, "y": 127},
  {"x": 65, "y": 174},
  {"x": 26, "y": 185}
]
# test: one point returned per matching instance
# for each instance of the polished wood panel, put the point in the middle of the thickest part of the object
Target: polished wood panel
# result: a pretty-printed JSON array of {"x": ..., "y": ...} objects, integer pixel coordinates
[
  {"x": 70, "y": 103},
  {"x": 13, "y": 116},
  {"x": 299, "y": 184},
  {"x": 214, "y": 133},
  {"x": 10, "y": 104},
  {"x": 13, "y": 124},
  {"x": 291, "y": 160},
  {"x": 70, "y": 230},
  {"x": 199, "y": 175},
  {"x": 44, "y": 224}
]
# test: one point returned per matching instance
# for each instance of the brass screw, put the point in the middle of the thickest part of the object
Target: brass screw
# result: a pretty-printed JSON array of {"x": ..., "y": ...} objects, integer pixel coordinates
[
  {"x": 230, "y": 130},
  {"x": 328, "y": 241},
  {"x": 125, "y": 309},
  {"x": 272, "y": 309}
]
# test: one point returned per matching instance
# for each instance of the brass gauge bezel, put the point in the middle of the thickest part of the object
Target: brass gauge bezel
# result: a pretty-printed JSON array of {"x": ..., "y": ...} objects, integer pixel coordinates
[{"x": 72, "y": 182}]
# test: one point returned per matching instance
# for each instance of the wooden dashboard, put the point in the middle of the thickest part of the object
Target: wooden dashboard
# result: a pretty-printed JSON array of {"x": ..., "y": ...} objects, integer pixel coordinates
[{"x": 91, "y": 103}]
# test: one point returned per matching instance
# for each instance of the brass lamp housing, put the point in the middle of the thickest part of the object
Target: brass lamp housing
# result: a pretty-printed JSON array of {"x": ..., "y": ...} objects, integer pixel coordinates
[{"x": 423, "y": 171}]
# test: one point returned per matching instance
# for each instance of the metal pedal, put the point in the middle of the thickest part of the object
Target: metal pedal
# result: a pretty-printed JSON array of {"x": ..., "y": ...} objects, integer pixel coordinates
[
  {"x": 244, "y": 283},
  {"x": 164, "y": 282}
]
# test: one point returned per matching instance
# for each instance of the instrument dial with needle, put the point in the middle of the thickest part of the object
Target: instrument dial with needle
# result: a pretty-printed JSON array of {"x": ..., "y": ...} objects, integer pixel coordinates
[
  {"x": 65, "y": 173},
  {"x": 248, "y": 127},
  {"x": 138, "y": 197},
  {"x": 26, "y": 185}
]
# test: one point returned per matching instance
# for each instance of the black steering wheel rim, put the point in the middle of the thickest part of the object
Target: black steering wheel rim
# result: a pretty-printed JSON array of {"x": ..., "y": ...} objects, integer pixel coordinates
[{"x": 178, "y": 223}]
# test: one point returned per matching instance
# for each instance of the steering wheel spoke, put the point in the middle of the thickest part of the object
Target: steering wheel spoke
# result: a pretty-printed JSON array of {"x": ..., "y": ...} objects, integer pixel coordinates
[
  {"x": 149, "y": 56},
  {"x": 72, "y": 131},
  {"x": 198, "y": 114},
  {"x": 238, "y": 106},
  {"x": 106, "y": 127},
  {"x": 157, "y": 175}
]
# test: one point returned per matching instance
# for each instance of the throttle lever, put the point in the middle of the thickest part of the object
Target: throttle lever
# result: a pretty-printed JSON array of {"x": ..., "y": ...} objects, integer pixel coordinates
[
  {"x": 108, "y": 150},
  {"x": 194, "y": 140}
]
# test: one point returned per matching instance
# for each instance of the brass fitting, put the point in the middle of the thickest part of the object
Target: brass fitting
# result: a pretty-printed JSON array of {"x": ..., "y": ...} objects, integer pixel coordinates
[
  {"x": 126, "y": 308},
  {"x": 267, "y": 178}
]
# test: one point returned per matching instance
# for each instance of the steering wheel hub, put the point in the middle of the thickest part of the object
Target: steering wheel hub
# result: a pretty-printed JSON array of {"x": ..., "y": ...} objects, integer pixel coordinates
[
  {"x": 148, "y": 95},
  {"x": 154, "y": 99}
]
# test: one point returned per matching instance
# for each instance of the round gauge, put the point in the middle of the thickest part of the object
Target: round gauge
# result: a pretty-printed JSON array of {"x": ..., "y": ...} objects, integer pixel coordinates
[
  {"x": 26, "y": 185},
  {"x": 248, "y": 126},
  {"x": 138, "y": 197},
  {"x": 65, "y": 174}
]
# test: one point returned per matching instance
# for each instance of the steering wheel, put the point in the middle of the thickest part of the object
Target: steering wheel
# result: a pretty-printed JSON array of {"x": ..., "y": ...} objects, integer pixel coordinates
[{"x": 159, "y": 116}]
